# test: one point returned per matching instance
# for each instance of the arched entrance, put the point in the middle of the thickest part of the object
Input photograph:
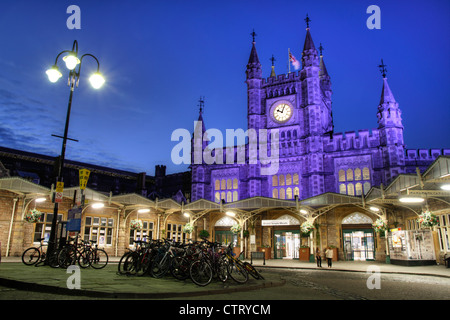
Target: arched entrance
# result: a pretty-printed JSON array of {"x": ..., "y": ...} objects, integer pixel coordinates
[
  {"x": 287, "y": 238},
  {"x": 358, "y": 237},
  {"x": 223, "y": 233}
]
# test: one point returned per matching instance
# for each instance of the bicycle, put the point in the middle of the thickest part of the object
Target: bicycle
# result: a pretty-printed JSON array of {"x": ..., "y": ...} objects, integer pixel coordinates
[
  {"x": 163, "y": 260},
  {"x": 98, "y": 258},
  {"x": 236, "y": 268},
  {"x": 209, "y": 264},
  {"x": 33, "y": 255}
]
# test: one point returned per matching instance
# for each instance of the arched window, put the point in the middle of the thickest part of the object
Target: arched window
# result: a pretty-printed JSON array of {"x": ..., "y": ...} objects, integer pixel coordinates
[
  {"x": 366, "y": 173},
  {"x": 217, "y": 197},
  {"x": 222, "y": 195},
  {"x": 275, "y": 181},
  {"x": 289, "y": 193},
  {"x": 342, "y": 189},
  {"x": 282, "y": 193},
  {"x": 357, "y": 174},
  {"x": 281, "y": 180},
  {"x": 288, "y": 179},
  {"x": 223, "y": 184},
  {"x": 235, "y": 196},
  {"x": 295, "y": 181},
  {"x": 296, "y": 191},
  {"x": 341, "y": 175},
  {"x": 275, "y": 193},
  {"x": 350, "y": 189},
  {"x": 235, "y": 183},
  {"x": 229, "y": 198},
  {"x": 349, "y": 175},
  {"x": 366, "y": 187},
  {"x": 358, "y": 188},
  {"x": 229, "y": 186},
  {"x": 217, "y": 185}
]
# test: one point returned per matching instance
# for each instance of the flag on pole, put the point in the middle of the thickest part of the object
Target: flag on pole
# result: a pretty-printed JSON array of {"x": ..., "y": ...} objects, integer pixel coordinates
[{"x": 294, "y": 61}]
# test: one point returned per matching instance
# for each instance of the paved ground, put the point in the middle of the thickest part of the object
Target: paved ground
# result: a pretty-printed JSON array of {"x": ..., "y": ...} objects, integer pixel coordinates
[{"x": 107, "y": 284}]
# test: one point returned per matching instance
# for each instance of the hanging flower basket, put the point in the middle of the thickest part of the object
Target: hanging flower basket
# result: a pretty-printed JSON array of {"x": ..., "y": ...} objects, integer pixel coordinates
[
  {"x": 379, "y": 225},
  {"x": 188, "y": 228},
  {"x": 307, "y": 227},
  {"x": 136, "y": 225},
  {"x": 33, "y": 216},
  {"x": 427, "y": 220},
  {"x": 236, "y": 228}
]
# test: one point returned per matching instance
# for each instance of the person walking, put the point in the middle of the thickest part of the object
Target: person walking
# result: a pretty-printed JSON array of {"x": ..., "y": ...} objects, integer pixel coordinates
[
  {"x": 329, "y": 256},
  {"x": 318, "y": 258}
]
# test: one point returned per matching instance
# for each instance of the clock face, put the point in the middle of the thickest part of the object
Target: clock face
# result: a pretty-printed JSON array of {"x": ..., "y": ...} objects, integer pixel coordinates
[{"x": 282, "y": 112}]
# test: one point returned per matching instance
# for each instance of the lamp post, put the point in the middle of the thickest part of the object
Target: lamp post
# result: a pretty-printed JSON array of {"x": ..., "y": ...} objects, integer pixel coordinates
[{"x": 96, "y": 79}]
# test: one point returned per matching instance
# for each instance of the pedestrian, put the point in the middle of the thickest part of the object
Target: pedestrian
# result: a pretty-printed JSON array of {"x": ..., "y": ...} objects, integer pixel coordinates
[
  {"x": 318, "y": 258},
  {"x": 329, "y": 256}
]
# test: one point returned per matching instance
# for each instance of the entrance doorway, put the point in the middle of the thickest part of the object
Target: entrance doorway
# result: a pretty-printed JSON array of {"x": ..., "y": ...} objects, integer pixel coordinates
[
  {"x": 287, "y": 244},
  {"x": 359, "y": 245},
  {"x": 226, "y": 237}
]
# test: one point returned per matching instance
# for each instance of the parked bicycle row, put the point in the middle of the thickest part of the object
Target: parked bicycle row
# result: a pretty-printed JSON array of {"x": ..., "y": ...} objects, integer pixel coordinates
[
  {"x": 76, "y": 251},
  {"x": 200, "y": 261}
]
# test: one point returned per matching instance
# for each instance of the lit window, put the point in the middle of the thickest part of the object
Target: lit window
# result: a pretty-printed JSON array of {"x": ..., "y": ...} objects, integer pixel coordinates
[
  {"x": 341, "y": 175},
  {"x": 349, "y": 175},
  {"x": 99, "y": 229},
  {"x": 295, "y": 178},
  {"x": 281, "y": 180},
  {"x": 288, "y": 179},
  {"x": 275, "y": 181},
  {"x": 217, "y": 197},
  {"x": 145, "y": 234},
  {"x": 275, "y": 193},
  {"x": 235, "y": 183},
  {"x": 296, "y": 191},
  {"x": 358, "y": 188},
  {"x": 289, "y": 193},
  {"x": 223, "y": 184},
  {"x": 217, "y": 185},
  {"x": 366, "y": 174},
  {"x": 282, "y": 193},
  {"x": 350, "y": 189},
  {"x": 357, "y": 174},
  {"x": 235, "y": 196},
  {"x": 229, "y": 186},
  {"x": 342, "y": 189},
  {"x": 229, "y": 198},
  {"x": 366, "y": 187}
]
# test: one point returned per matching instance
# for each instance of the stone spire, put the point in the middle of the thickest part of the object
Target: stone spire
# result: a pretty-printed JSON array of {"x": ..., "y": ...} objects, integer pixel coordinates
[
  {"x": 309, "y": 54},
  {"x": 272, "y": 73},
  {"x": 253, "y": 66}
]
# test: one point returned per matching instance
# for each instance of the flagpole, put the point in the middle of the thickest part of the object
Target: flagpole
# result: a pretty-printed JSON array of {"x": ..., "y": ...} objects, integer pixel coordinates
[{"x": 289, "y": 60}]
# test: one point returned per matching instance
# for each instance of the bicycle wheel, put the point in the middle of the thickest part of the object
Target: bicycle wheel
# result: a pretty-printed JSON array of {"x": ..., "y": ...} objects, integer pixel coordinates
[
  {"x": 180, "y": 268},
  {"x": 130, "y": 261},
  {"x": 222, "y": 270},
  {"x": 122, "y": 266},
  {"x": 201, "y": 273},
  {"x": 98, "y": 258},
  {"x": 66, "y": 257},
  {"x": 83, "y": 259},
  {"x": 252, "y": 271},
  {"x": 237, "y": 272},
  {"x": 31, "y": 256},
  {"x": 53, "y": 259},
  {"x": 160, "y": 266}
]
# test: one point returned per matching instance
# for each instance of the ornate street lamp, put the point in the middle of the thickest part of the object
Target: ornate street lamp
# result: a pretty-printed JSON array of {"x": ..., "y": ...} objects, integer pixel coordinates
[{"x": 73, "y": 63}]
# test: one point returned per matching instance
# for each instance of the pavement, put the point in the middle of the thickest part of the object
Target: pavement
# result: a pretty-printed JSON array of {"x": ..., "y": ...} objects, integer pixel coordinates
[{"x": 107, "y": 284}]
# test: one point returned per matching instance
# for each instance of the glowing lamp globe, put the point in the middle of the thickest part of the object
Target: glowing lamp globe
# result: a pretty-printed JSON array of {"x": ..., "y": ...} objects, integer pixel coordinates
[
  {"x": 53, "y": 74},
  {"x": 71, "y": 61},
  {"x": 97, "y": 80}
]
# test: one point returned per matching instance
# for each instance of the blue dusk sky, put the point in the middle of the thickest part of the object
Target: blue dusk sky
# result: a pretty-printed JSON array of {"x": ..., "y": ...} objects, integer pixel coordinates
[{"x": 159, "y": 57}]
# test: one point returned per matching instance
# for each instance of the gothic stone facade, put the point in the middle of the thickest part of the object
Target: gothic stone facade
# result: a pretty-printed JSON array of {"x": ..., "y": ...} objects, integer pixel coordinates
[{"x": 312, "y": 158}]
